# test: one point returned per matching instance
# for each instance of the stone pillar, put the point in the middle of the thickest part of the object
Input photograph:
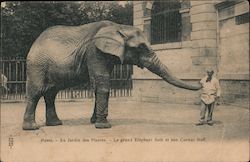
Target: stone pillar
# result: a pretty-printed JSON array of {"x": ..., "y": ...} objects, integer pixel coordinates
[
  {"x": 138, "y": 14},
  {"x": 137, "y": 22},
  {"x": 185, "y": 21},
  {"x": 203, "y": 35}
]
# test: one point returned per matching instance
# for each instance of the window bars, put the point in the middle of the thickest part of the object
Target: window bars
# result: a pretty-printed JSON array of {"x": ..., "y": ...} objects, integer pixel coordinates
[{"x": 165, "y": 22}]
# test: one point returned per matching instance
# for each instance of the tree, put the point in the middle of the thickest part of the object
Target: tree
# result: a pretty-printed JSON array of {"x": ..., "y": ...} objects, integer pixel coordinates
[
  {"x": 113, "y": 11},
  {"x": 23, "y": 22},
  {"x": 122, "y": 14}
]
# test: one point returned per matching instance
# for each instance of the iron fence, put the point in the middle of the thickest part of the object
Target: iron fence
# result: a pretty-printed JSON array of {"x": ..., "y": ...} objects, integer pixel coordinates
[{"x": 15, "y": 71}]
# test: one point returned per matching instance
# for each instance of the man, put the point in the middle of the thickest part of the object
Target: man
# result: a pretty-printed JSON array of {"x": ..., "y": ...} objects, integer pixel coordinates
[
  {"x": 210, "y": 94},
  {"x": 4, "y": 81},
  {"x": 4, "y": 88}
]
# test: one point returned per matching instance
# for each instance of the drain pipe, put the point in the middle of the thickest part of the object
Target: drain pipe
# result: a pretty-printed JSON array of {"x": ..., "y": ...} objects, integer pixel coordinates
[{"x": 218, "y": 43}]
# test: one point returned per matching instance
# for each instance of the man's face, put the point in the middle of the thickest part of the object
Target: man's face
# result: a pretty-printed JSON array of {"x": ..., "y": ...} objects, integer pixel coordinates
[{"x": 210, "y": 73}]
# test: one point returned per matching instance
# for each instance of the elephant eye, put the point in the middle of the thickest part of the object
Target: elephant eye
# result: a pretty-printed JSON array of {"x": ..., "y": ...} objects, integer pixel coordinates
[{"x": 142, "y": 46}]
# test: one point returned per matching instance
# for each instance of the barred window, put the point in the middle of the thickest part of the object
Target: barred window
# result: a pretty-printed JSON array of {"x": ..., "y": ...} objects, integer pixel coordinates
[
  {"x": 242, "y": 19},
  {"x": 165, "y": 22}
]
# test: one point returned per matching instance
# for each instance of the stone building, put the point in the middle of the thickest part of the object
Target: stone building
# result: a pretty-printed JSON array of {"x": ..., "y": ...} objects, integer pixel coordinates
[{"x": 189, "y": 36}]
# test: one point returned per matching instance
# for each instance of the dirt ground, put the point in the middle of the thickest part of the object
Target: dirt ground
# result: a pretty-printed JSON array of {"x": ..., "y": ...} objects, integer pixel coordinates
[{"x": 141, "y": 131}]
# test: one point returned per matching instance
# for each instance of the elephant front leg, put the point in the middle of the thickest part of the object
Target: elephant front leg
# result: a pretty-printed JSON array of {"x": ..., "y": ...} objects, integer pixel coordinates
[
  {"x": 93, "y": 118},
  {"x": 100, "y": 67},
  {"x": 101, "y": 104}
]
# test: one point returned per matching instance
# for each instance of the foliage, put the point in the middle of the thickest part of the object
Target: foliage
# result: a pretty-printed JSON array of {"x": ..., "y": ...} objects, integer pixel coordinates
[
  {"x": 23, "y": 22},
  {"x": 101, "y": 10}
]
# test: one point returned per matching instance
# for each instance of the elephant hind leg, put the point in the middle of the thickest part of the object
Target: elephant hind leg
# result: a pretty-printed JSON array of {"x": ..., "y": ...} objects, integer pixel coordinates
[
  {"x": 33, "y": 96},
  {"x": 29, "y": 122},
  {"x": 51, "y": 116}
]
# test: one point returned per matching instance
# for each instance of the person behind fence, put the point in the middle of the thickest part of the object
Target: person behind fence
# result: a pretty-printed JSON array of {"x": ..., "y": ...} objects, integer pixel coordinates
[
  {"x": 4, "y": 88},
  {"x": 211, "y": 92}
]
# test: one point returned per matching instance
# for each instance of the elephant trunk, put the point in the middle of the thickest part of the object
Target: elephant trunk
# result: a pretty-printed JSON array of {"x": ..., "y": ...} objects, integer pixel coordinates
[{"x": 154, "y": 65}]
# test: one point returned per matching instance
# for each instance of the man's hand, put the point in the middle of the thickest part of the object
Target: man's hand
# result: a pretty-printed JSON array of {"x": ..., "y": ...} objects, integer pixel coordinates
[{"x": 217, "y": 100}]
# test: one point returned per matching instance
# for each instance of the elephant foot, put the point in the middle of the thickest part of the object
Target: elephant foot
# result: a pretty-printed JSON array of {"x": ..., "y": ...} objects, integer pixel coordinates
[
  {"x": 102, "y": 124},
  {"x": 30, "y": 125},
  {"x": 93, "y": 119},
  {"x": 53, "y": 122}
]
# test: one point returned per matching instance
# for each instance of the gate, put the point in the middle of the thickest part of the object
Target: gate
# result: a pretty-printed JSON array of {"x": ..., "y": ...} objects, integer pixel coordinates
[{"x": 15, "y": 71}]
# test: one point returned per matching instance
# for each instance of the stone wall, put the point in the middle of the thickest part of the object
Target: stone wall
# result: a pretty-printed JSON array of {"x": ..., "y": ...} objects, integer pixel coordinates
[
  {"x": 198, "y": 46},
  {"x": 233, "y": 42},
  {"x": 235, "y": 92},
  {"x": 156, "y": 90},
  {"x": 203, "y": 45},
  {"x": 203, "y": 35}
]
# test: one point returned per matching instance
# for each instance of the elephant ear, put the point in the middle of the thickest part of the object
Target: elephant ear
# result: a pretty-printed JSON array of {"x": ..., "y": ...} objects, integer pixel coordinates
[{"x": 110, "y": 40}]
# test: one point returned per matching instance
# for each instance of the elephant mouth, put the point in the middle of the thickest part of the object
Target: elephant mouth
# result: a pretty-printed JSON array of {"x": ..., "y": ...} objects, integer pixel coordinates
[
  {"x": 140, "y": 64},
  {"x": 146, "y": 60}
]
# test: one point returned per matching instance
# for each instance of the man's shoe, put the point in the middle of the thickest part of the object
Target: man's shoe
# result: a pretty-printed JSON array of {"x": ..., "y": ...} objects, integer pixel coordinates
[
  {"x": 210, "y": 124},
  {"x": 198, "y": 124}
]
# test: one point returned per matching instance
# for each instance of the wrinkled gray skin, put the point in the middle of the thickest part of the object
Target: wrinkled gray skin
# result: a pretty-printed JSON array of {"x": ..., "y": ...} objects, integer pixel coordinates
[{"x": 64, "y": 56}]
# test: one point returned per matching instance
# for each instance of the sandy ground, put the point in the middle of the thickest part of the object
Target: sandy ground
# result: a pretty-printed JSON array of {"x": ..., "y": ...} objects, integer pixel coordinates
[{"x": 140, "y": 131}]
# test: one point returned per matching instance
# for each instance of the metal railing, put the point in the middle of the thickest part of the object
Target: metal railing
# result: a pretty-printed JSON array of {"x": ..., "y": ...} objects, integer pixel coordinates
[{"x": 15, "y": 71}]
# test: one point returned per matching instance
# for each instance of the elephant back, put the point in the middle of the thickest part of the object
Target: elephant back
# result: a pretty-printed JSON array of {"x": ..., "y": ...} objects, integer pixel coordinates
[{"x": 61, "y": 43}]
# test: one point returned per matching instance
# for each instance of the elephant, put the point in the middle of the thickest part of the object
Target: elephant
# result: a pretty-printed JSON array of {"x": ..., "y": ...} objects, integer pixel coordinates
[{"x": 66, "y": 56}]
